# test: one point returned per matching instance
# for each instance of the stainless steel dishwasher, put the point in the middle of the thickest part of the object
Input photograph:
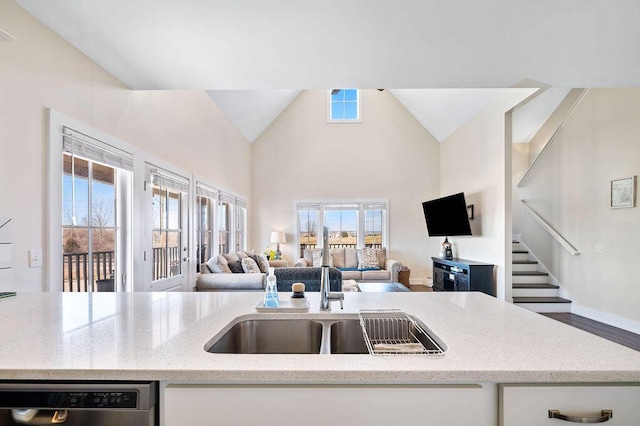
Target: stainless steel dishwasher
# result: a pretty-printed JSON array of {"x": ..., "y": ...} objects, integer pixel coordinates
[{"x": 79, "y": 403}]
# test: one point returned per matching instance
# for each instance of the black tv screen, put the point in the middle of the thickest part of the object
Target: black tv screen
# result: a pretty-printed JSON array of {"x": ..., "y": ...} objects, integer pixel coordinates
[{"x": 447, "y": 216}]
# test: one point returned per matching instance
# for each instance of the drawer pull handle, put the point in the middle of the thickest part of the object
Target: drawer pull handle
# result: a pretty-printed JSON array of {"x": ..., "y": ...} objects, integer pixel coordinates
[{"x": 605, "y": 415}]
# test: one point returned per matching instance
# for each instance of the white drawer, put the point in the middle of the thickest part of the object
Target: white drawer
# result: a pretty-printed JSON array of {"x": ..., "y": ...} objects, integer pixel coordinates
[{"x": 529, "y": 404}]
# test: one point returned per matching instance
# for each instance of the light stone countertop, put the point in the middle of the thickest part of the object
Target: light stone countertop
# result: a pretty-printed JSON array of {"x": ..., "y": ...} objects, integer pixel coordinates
[{"x": 160, "y": 336}]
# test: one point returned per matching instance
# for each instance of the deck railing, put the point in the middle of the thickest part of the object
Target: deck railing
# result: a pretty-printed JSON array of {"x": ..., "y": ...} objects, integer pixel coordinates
[
  {"x": 75, "y": 270},
  {"x": 160, "y": 269},
  {"x": 313, "y": 246}
]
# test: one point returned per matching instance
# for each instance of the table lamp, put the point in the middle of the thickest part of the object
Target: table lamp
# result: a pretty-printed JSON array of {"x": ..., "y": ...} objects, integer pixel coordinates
[{"x": 278, "y": 237}]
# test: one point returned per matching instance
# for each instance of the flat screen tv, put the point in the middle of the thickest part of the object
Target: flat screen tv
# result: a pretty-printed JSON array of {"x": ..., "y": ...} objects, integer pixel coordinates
[{"x": 447, "y": 216}]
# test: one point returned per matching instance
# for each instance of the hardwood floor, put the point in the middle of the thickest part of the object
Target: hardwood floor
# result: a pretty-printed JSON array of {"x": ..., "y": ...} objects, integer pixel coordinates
[
  {"x": 617, "y": 335},
  {"x": 417, "y": 287}
]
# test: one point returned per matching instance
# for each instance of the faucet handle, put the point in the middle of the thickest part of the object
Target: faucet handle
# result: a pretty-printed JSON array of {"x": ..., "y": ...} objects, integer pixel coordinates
[{"x": 337, "y": 296}]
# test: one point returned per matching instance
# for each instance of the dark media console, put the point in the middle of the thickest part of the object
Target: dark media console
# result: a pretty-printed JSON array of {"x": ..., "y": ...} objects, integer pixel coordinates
[{"x": 462, "y": 275}]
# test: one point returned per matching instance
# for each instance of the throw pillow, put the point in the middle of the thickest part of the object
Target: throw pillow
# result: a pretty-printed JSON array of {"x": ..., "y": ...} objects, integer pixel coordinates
[
  {"x": 382, "y": 256},
  {"x": 307, "y": 255},
  {"x": 224, "y": 265},
  {"x": 231, "y": 257},
  {"x": 367, "y": 258},
  {"x": 337, "y": 255},
  {"x": 250, "y": 266},
  {"x": 317, "y": 259},
  {"x": 263, "y": 262},
  {"x": 213, "y": 266},
  {"x": 236, "y": 267},
  {"x": 350, "y": 258},
  {"x": 242, "y": 255}
]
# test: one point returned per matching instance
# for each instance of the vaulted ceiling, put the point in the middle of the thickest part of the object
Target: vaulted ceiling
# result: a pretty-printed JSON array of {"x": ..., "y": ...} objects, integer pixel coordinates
[{"x": 253, "y": 56}]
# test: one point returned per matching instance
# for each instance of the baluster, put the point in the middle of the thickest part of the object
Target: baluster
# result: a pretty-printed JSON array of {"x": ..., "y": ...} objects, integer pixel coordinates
[{"x": 85, "y": 265}]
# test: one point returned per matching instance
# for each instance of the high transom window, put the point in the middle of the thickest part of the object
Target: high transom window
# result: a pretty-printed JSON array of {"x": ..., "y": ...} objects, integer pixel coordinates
[{"x": 344, "y": 106}]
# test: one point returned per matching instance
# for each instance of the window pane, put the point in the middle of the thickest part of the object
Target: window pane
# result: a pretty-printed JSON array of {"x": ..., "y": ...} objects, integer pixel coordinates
[
  {"x": 75, "y": 248},
  {"x": 203, "y": 212},
  {"x": 159, "y": 255},
  {"x": 343, "y": 227},
  {"x": 350, "y": 111},
  {"x": 104, "y": 259},
  {"x": 241, "y": 224},
  {"x": 373, "y": 228},
  {"x": 204, "y": 248},
  {"x": 337, "y": 110},
  {"x": 307, "y": 229},
  {"x": 203, "y": 205},
  {"x": 75, "y": 191},
  {"x": 339, "y": 96},
  {"x": 173, "y": 252},
  {"x": 350, "y": 94},
  {"x": 103, "y": 196},
  {"x": 224, "y": 226},
  {"x": 173, "y": 214},
  {"x": 158, "y": 208}
]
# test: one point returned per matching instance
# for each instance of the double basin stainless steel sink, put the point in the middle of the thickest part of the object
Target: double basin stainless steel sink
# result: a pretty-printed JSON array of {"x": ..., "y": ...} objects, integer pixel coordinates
[{"x": 303, "y": 335}]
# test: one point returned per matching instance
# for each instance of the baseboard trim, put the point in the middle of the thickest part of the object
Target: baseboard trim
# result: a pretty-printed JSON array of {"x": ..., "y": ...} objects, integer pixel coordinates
[
  {"x": 604, "y": 317},
  {"x": 420, "y": 281}
]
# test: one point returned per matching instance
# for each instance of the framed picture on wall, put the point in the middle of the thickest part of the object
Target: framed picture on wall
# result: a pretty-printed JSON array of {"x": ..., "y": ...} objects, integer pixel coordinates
[{"x": 623, "y": 192}]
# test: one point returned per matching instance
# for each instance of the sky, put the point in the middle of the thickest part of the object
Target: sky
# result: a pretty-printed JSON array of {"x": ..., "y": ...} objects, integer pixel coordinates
[{"x": 103, "y": 196}]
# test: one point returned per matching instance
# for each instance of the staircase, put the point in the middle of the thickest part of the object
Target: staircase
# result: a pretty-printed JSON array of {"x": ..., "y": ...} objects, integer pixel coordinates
[{"x": 531, "y": 288}]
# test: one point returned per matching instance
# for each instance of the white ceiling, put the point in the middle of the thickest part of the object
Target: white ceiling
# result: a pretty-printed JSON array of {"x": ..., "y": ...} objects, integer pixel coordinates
[
  {"x": 252, "y": 111},
  {"x": 442, "y": 111},
  {"x": 291, "y": 44},
  {"x": 528, "y": 118},
  {"x": 234, "y": 45}
]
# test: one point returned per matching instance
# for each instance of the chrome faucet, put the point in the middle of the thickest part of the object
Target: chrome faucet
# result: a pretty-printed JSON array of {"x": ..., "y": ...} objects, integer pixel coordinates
[{"x": 326, "y": 296}]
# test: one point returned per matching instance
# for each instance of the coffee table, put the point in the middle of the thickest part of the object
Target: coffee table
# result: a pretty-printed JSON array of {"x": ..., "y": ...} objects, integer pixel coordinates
[{"x": 381, "y": 287}]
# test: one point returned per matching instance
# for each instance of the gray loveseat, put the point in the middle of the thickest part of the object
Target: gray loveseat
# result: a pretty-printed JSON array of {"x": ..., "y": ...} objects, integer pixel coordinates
[{"x": 346, "y": 260}]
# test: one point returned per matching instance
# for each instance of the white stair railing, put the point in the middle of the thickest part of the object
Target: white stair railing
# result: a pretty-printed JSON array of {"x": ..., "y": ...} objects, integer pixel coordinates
[{"x": 555, "y": 234}]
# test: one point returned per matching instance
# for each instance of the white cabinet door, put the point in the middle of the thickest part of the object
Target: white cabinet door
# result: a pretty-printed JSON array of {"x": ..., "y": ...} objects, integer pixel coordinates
[
  {"x": 529, "y": 405},
  {"x": 309, "y": 405}
]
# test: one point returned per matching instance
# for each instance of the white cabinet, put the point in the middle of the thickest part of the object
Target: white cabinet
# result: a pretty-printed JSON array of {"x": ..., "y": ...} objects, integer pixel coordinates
[
  {"x": 322, "y": 405},
  {"x": 529, "y": 404}
]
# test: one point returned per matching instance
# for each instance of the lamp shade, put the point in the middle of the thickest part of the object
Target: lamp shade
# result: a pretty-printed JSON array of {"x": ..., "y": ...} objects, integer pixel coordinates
[{"x": 278, "y": 237}]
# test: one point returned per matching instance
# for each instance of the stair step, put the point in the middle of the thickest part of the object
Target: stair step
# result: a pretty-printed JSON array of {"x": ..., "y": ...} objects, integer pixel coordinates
[
  {"x": 532, "y": 273},
  {"x": 534, "y": 290},
  {"x": 535, "y": 285},
  {"x": 525, "y": 262},
  {"x": 543, "y": 304},
  {"x": 519, "y": 251},
  {"x": 519, "y": 257},
  {"x": 540, "y": 300}
]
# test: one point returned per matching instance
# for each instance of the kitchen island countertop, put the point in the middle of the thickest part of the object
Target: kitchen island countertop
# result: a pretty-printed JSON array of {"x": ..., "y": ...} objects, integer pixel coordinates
[{"x": 160, "y": 336}]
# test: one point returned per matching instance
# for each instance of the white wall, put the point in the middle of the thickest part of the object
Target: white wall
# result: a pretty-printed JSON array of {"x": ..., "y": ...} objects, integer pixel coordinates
[
  {"x": 476, "y": 160},
  {"x": 41, "y": 70},
  {"x": 389, "y": 155},
  {"x": 570, "y": 188}
]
